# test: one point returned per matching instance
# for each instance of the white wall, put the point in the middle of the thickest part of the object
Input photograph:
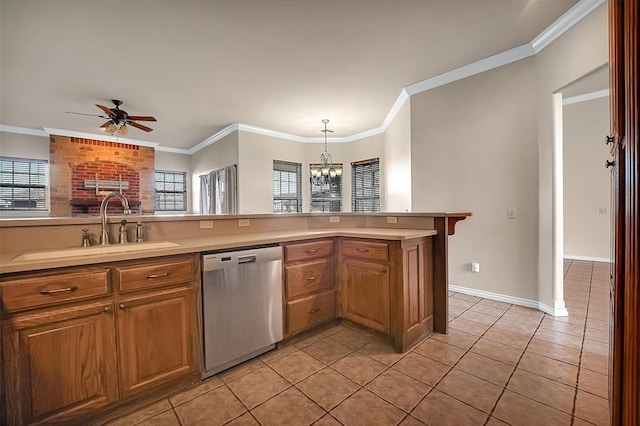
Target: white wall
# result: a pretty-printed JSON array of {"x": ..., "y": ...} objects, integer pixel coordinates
[
  {"x": 24, "y": 146},
  {"x": 216, "y": 156},
  {"x": 576, "y": 53},
  {"x": 256, "y": 155},
  {"x": 397, "y": 160},
  {"x": 255, "y": 170},
  {"x": 474, "y": 149},
  {"x": 586, "y": 181}
]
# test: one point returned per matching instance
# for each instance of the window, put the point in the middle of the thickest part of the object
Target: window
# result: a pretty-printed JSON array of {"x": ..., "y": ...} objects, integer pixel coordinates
[
  {"x": 327, "y": 197},
  {"x": 365, "y": 186},
  {"x": 170, "y": 191},
  {"x": 23, "y": 184},
  {"x": 287, "y": 187}
]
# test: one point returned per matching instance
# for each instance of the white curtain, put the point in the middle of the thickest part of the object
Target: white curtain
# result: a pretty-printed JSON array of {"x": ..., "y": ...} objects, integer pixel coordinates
[{"x": 218, "y": 191}]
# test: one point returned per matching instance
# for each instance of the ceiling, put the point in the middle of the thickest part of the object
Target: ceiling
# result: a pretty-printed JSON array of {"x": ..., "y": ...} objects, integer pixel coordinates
[{"x": 201, "y": 65}]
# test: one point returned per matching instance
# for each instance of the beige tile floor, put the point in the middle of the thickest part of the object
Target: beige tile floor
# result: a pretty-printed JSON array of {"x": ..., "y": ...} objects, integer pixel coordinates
[{"x": 500, "y": 364}]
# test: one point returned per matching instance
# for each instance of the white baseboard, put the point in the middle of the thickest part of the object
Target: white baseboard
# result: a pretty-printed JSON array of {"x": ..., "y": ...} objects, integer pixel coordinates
[
  {"x": 556, "y": 312},
  {"x": 588, "y": 258}
]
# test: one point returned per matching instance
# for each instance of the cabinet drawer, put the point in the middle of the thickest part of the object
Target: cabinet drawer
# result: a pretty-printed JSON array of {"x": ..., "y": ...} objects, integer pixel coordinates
[
  {"x": 309, "y": 250},
  {"x": 154, "y": 274},
  {"x": 307, "y": 278},
  {"x": 33, "y": 291},
  {"x": 310, "y": 311},
  {"x": 365, "y": 250}
]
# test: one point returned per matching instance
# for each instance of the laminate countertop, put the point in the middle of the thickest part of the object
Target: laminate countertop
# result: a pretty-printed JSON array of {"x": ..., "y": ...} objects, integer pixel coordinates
[{"x": 11, "y": 262}]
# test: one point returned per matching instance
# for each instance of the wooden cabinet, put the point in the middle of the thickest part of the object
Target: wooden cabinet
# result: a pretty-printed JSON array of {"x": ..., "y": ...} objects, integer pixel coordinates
[
  {"x": 156, "y": 338},
  {"x": 78, "y": 340},
  {"x": 388, "y": 286},
  {"x": 310, "y": 281},
  {"x": 365, "y": 293},
  {"x": 59, "y": 364}
]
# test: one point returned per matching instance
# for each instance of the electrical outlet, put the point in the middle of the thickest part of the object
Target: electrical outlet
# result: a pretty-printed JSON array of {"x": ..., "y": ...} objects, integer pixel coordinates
[
  {"x": 206, "y": 224},
  {"x": 511, "y": 213},
  {"x": 334, "y": 219},
  {"x": 392, "y": 219},
  {"x": 244, "y": 222},
  {"x": 475, "y": 267},
  {"x": 603, "y": 210}
]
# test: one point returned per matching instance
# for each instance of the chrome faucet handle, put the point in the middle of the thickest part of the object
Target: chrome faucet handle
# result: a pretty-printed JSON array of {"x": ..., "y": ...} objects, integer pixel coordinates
[{"x": 139, "y": 232}]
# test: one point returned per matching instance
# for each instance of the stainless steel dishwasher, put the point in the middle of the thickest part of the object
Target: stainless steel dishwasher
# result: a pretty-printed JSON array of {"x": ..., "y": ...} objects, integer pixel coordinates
[{"x": 242, "y": 305}]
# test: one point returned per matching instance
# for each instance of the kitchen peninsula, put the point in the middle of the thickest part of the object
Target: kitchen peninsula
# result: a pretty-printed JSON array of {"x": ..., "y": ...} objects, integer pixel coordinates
[{"x": 116, "y": 307}]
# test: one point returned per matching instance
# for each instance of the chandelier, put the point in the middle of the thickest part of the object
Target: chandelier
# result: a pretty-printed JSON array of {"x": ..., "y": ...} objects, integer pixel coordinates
[{"x": 325, "y": 173}]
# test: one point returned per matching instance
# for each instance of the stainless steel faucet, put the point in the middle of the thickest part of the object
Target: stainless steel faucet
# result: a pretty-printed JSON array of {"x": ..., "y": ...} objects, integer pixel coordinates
[{"x": 104, "y": 237}]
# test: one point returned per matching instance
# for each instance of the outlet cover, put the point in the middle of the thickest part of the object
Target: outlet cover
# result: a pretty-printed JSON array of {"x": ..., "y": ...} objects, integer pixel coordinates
[
  {"x": 206, "y": 224},
  {"x": 392, "y": 219},
  {"x": 244, "y": 222},
  {"x": 334, "y": 219},
  {"x": 511, "y": 213},
  {"x": 603, "y": 210},
  {"x": 475, "y": 267}
]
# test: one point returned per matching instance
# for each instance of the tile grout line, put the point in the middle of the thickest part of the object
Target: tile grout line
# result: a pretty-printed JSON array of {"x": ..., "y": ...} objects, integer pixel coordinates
[{"x": 584, "y": 333}]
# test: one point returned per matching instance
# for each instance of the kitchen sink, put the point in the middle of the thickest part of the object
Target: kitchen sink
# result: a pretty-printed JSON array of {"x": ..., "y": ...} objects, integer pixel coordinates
[{"x": 94, "y": 250}]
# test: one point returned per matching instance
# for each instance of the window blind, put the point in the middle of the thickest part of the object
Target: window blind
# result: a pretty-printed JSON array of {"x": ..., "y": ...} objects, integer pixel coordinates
[
  {"x": 287, "y": 187},
  {"x": 365, "y": 185},
  {"x": 23, "y": 184},
  {"x": 170, "y": 191}
]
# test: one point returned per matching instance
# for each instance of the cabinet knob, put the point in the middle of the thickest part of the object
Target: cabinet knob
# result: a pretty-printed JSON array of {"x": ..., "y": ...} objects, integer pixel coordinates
[
  {"x": 123, "y": 306},
  {"x": 608, "y": 139},
  {"x": 108, "y": 309},
  {"x": 609, "y": 163},
  {"x": 383, "y": 270},
  {"x": 313, "y": 311}
]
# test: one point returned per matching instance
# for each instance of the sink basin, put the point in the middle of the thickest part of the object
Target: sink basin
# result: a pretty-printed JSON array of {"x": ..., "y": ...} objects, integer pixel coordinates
[{"x": 94, "y": 251}]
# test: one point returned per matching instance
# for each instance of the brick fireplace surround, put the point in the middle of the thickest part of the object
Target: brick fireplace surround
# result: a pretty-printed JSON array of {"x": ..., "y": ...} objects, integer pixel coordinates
[{"x": 74, "y": 160}]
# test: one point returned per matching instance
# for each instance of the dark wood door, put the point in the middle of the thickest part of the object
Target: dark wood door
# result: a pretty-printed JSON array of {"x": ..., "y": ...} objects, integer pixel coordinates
[{"x": 625, "y": 295}]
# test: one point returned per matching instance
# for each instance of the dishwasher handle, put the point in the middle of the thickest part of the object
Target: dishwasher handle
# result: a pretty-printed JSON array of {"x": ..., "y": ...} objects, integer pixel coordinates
[{"x": 249, "y": 258}]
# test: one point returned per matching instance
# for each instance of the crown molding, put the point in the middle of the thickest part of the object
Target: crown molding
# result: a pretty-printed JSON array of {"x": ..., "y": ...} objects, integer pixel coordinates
[
  {"x": 564, "y": 23},
  {"x": 504, "y": 58},
  {"x": 211, "y": 139},
  {"x": 107, "y": 138},
  {"x": 23, "y": 130},
  {"x": 586, "y": 97}
]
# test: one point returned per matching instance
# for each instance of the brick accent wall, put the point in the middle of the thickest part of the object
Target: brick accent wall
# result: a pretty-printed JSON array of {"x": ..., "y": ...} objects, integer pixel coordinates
[{"x": 72, "y": 160}]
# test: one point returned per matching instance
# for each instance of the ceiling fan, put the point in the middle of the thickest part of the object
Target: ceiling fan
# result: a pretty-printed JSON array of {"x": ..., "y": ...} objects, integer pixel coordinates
[{"x": 118, "y": 119}]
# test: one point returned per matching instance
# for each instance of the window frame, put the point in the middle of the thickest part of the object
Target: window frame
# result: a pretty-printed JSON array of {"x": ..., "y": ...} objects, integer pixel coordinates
[
  {"x": 289, "y": 200},
  {"x": 43, "y": 185},
  {"x": 365, "y": 186},
  {"x": 157, "y": 192},
  {"x": 327, "y": 195}
]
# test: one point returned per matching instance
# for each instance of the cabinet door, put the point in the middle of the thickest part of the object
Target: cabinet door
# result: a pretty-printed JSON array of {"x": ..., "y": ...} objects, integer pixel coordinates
[
  {"x": 365, "y": 293},
  {"x": 156, "y": 336},
  {"x": 59, "y": 364}
]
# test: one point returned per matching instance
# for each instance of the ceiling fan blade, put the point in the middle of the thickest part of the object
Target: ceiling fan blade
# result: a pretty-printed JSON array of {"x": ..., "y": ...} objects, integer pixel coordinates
[
  {"x": 140, "y": 126},
  {"x": 106, "y": 124},
  {"x": 82, "y": 113},
  {"x": 142, "y": 118},
  {"x": 105, "y": 109}
]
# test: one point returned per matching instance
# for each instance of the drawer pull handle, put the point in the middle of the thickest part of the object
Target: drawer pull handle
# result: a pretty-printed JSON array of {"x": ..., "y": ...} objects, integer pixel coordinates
[
  {"x": 310, "y": 251},
  {"x": 313, "y": 311},
  {"x": 312, "y": 278},
  {"x": 152, "y": 276},
  {"x": 59, "y": 290},
  {"x": 362, "y": 250}
]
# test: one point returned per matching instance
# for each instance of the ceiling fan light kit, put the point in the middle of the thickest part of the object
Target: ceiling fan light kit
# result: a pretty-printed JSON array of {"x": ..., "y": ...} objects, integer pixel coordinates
[{"x": 118, "y": 119}]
